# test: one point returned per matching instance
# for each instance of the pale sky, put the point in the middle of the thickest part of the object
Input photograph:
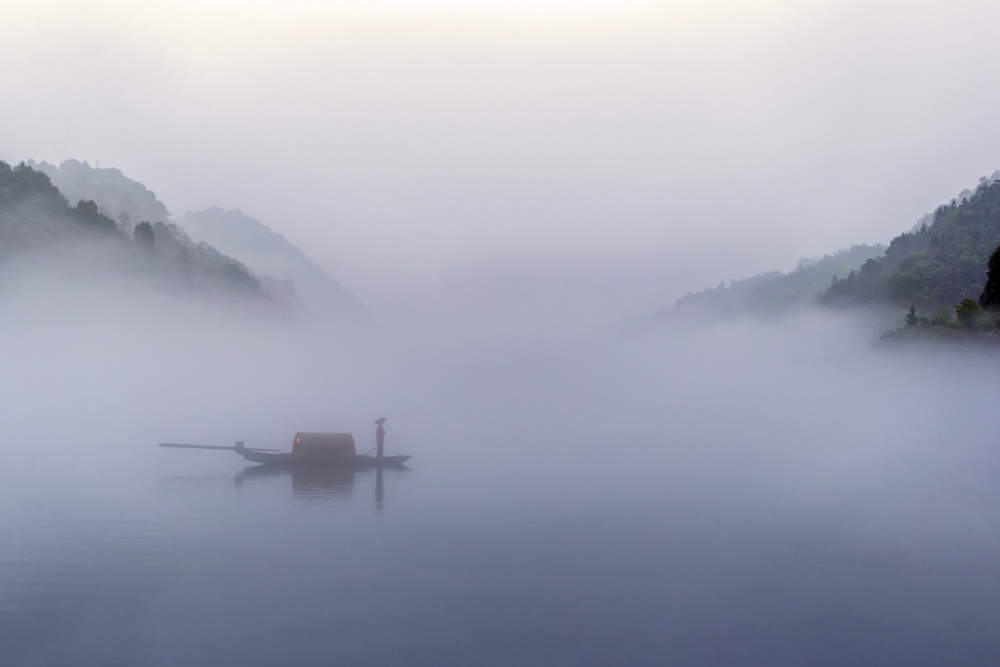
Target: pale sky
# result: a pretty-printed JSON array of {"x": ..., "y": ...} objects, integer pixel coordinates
[{"x": 644, "y": 149}]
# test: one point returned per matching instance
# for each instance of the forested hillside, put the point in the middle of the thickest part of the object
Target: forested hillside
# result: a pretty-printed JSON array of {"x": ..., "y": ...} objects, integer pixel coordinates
[
  {"x": 776, "y": 292},
  {"x": 34, "y": 214},
  {"x": 938, "y": 265},
  {"x": 934, "y": 267},
  {"x": 120, "y": 198},
  {"x": 37, "y": 221}
]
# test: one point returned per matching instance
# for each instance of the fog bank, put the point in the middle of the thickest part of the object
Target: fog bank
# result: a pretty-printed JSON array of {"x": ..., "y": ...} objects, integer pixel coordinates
[
  {"x": 756, "y": 487},
  {"x": 405, "y": 145}
]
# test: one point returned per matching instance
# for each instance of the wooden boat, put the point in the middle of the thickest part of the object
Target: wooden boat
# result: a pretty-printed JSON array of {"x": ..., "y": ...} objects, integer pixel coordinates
[
  {"x": 294, "y": 459},
  {"x": 310, "y": 450}
]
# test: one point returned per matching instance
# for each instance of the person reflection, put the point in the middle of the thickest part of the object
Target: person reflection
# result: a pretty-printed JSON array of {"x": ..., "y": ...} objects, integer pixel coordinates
[{"x": 378, "y": 489}]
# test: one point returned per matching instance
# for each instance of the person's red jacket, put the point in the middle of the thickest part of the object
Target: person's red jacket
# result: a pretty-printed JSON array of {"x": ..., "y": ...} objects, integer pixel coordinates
[{"x": 379, "y": 434}]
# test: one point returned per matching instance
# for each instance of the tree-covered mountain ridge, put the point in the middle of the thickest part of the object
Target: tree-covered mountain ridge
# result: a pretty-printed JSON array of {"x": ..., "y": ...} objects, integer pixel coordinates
[
  {"x": 934, "y": 267},
  {"x": 37, "y": 224},
  {"x": 269, "y": 254},
  {"x": 213, "y": 236},
  {"x": 940, "y": 264},
  {"x": 126, "y": 201},
  {"x": 775, "y": 292}
]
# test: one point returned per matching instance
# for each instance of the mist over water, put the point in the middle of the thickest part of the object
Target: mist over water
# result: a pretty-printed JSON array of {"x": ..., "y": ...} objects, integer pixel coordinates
[
  {"x": 507, "y": 188},
  {"x": 751, "y": 492}
]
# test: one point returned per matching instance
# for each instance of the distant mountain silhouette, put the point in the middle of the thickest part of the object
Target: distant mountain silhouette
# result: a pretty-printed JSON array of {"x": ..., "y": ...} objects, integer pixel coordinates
[
  {"x": 125, "y": 201},
  {"x": 773, "y": 293},
  {"x": 272, "y": 255},
  {"x": 938, "y": 270},
  {"x": 227, "y": 246},
  {"x": 37, "y": 223}
]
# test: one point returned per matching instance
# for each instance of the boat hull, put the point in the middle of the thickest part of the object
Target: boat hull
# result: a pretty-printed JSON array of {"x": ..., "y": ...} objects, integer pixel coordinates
[{"x": 293, "y": 460}]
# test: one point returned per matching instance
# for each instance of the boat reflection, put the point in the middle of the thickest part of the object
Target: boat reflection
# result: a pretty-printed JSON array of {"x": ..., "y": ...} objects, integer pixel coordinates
[
  {"x": 317, "y": 483},
  {"x": 307, "y": 483}
]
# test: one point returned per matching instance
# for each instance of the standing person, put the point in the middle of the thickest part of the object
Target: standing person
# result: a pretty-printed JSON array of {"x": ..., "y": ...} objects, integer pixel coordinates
[{"x": 379, "y": 436}]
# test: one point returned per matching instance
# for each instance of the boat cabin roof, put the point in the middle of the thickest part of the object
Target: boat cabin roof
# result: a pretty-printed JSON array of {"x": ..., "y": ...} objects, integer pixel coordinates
[{"x": 324, "y": 445}]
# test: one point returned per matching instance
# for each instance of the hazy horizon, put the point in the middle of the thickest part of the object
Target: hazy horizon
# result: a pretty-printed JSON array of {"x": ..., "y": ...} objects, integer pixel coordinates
[{"x": 656, "y": 148}]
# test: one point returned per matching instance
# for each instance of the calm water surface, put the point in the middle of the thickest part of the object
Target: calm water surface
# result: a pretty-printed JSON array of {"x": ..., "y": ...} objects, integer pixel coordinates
[{"x": 640, "y": 512}]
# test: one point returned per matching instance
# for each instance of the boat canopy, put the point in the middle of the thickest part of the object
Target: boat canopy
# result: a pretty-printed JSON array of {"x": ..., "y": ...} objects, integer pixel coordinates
[{"x": 324, "y": 445}]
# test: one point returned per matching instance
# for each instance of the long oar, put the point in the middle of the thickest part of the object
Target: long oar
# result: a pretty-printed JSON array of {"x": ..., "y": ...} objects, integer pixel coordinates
[{"x": 230, "y": 449}]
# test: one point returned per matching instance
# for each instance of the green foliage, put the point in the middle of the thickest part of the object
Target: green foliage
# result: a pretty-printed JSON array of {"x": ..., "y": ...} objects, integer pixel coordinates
[
  {"x": 972, "y": 325},
  {"x": 865, "y": 282},
  {"x": 940, "y": 318},
  {"x": 969, "y": 313},
  {"x": 22, "y": 184},
  {"x": 934, "y": 266}
]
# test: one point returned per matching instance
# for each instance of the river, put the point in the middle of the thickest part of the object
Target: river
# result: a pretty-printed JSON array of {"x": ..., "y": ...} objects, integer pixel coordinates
[{"x": 739, "y": 495}]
